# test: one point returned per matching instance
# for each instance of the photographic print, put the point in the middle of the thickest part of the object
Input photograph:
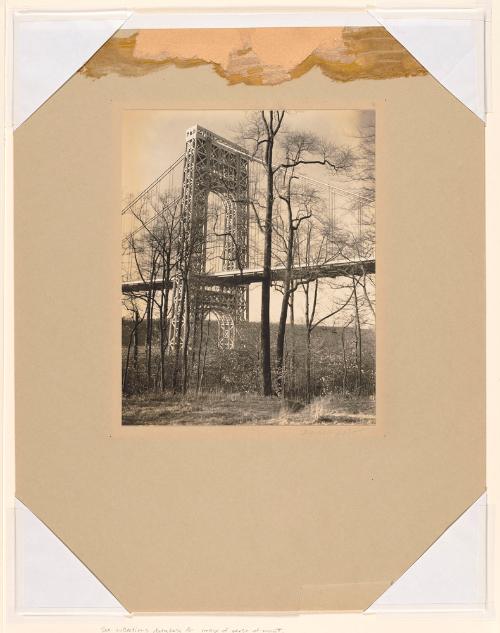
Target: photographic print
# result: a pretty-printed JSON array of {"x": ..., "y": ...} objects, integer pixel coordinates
[{"x": 248, "y": 267}]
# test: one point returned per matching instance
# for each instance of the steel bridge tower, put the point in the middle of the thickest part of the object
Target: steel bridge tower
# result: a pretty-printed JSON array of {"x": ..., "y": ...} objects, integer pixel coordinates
[{"x": 212, "y": 165}]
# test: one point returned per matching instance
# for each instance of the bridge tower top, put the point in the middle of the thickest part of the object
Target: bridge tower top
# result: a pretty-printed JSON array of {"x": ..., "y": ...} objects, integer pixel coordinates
[{"x": 198, "y": 131}]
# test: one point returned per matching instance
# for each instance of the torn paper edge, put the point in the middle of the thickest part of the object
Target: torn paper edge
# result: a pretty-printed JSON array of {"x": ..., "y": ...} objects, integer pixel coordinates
[{"x": 40, "y": 69}]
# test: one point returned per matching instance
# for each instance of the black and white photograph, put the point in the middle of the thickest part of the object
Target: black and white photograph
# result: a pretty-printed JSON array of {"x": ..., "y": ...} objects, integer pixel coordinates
[{"x": 248, "y": 267}]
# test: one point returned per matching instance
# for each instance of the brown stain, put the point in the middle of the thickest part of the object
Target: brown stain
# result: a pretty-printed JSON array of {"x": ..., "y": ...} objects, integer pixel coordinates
[{"x": 258, "y": 56}]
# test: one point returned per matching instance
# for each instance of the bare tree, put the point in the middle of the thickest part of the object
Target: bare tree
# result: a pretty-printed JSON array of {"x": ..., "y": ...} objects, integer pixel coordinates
[
  {"x": 365, "y": 156},
  {"x": 152, "y": 244},
  {"x": 131, "y": 304},
  {"x": 191, "y": 244},
  {"x": 298, "y": 149},
  {"x": 260, "y": 133},
  {"x": 166, "y": 233},
  {"x": 313, "y": 250}
]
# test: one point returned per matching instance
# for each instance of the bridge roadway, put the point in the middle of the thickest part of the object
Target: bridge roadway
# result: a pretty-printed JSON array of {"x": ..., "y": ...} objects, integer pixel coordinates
[{"x": 255, "y": 275}]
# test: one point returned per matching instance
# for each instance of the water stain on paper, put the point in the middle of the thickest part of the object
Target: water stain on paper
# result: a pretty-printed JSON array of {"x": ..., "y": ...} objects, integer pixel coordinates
[{"x": 266, "y": 56}]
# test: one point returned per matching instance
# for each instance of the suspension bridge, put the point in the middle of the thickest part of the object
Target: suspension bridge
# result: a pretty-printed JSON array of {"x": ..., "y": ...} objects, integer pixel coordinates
[{"x": 196, "y": 233}]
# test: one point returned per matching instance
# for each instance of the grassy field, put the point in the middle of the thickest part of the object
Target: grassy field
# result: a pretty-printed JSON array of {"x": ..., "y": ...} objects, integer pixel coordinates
[
  {"x": 230, "y": 381},
  {"x": 245, "y": 409}
]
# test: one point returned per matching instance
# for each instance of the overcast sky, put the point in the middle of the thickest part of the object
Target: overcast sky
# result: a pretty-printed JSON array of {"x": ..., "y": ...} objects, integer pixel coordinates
[{"x": 153, "y": 139}]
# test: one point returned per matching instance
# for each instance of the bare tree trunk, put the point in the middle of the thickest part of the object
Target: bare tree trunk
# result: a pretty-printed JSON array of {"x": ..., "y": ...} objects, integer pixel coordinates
[
  {"x": 308, "y": 365},
  {"x": 162, "y": 341},
  {"x": 136, "y": 341},
  {"x": 344, "y": 363},
  {"x": 265, "y": 334},
  {"x": 180, "y": 321},
  {"x": 280, "y": 340},
  {"x": 163, "y": 322},
  {"x": 272, "y": 125},
  {"x": 148, "y": 338},
  {"x": 359, "y": 357},
  {"x": 125, "y": 372},
  {"x": 308, "y": 345},
  {"x": 160, "y": 362},
  {"x": 149, "y": 321},
  {"x": 185, "y": 353},
  {"x": 221, "y": 369},
  {"x": 367, "y": 297},
  {"x": 292, "y": 354},
  {"x": 132, "y": 342},
  {"x": 196, "y": 325},
  {"x": 202, "y": 374},
  {"x": 200, "y": 348}
]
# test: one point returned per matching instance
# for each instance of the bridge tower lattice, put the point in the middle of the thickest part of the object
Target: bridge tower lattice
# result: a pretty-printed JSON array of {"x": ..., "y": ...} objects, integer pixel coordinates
[{"x": 212, "y": 165}]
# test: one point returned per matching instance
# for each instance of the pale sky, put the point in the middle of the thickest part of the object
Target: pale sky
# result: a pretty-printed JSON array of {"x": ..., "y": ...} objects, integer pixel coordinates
[{"x": 153, "y": 139}]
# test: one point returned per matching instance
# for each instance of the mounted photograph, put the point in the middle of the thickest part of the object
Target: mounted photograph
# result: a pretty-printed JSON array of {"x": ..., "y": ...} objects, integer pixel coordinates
[{"x": 248, "y": 267}]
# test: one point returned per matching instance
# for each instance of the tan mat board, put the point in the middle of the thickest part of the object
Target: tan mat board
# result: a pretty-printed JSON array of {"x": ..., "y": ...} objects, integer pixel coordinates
[{"x": 243, "y": 519}]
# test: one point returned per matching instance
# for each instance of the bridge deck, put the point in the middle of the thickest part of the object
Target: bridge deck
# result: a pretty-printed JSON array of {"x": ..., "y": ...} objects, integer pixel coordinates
[{"x": 256, "y": 275}]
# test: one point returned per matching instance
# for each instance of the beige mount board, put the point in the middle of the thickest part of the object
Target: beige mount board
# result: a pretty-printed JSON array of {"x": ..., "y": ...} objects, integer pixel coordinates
[{"x": 249, "y": 519}]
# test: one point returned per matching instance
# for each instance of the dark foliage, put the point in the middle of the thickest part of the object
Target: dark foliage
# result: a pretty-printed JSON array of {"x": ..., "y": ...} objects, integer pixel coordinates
[{"x": 238, "y": 370}]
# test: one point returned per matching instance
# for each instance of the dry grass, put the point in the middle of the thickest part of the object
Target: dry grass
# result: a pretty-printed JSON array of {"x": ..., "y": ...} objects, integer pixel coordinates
[{"x": 244, "y": 409}]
